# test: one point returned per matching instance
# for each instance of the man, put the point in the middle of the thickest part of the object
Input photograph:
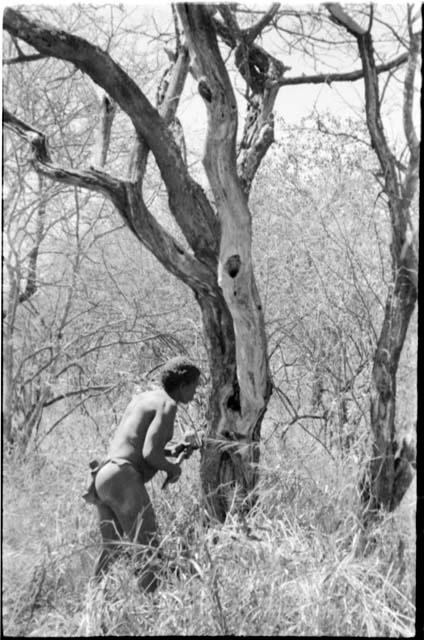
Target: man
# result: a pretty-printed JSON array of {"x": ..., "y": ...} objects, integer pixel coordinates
[{"x": 136, "y": 454}]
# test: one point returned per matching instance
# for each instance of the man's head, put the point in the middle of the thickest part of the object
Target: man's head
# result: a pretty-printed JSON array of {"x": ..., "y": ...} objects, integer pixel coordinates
[{"x": 179, "y": 378}]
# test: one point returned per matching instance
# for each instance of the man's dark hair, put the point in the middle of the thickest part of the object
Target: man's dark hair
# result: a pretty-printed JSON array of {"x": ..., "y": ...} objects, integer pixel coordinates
[{"x": 178, "y": 371}]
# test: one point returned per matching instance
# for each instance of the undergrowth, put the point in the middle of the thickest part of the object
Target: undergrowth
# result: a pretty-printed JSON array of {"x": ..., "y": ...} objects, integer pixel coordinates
[{"x": 299, "y": 564}]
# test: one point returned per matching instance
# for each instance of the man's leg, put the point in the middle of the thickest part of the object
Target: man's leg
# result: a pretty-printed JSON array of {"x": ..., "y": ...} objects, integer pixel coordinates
[
  {"x": 111, "y": 532},
  {"x": 123, "y": 489},
  {"x": 137, "y": 519}
]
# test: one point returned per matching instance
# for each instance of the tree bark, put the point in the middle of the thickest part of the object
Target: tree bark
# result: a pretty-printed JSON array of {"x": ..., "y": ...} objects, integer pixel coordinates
[
  {"x": 390, "y": 476},
  {"x": 231, "y": 450},
  {"x": 238, "y": 357}
]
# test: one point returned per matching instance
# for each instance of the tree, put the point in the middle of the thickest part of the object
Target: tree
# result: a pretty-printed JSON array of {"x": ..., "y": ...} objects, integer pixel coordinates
[
  {"x": 390, "y": 475},
  {"x": 214, "y": 258}
]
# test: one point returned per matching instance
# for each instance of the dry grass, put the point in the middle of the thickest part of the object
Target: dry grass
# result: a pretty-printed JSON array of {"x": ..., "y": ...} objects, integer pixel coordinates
[{"x": 298, "y": 565}]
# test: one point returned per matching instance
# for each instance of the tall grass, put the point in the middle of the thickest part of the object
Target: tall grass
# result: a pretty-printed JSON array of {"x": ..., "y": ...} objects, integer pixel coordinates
[{"x": 299, "y": 564}]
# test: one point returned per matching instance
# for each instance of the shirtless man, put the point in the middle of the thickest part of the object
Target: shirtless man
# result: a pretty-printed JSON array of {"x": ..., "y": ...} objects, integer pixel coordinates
[{"x": 136, "y": 454}]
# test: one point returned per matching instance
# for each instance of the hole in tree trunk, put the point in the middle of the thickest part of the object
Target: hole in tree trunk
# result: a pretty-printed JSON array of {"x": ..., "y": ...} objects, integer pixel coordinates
[
  {"x": 233, "y": 401},
  {"x": 233, "y": 265}
]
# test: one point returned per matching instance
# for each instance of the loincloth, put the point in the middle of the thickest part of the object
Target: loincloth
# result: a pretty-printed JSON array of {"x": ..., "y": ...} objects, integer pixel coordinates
[{"x": 90, "y": 495}]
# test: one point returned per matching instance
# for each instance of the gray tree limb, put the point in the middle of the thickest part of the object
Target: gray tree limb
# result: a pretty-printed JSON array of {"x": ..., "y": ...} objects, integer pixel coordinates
[{"x": 187, "y": 200}]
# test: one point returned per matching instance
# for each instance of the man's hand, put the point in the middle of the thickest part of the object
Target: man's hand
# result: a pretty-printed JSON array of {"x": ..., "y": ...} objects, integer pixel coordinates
[
  {"x": 189, "y": 443},
  {"x": 173, "y": 475},
  {"x": 184, "y": 450},
  {"x": 190, "y": 439}
]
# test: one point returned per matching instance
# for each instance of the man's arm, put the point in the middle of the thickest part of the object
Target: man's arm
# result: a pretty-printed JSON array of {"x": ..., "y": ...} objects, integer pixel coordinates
[
  {"x": 189, "y": 443},
  {"x": 158, "y": 434}
]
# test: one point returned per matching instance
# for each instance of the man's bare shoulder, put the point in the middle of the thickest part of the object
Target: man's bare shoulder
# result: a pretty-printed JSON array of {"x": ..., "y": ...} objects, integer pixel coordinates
[{"x": 154, "y": 400}]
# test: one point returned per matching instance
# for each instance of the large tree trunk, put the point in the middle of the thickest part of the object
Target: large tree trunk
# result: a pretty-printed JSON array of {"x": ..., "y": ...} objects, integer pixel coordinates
[
  {"x": 234, "y": 321},
  {"x": 231, "y": 448},
  {"x": 389, "y": 470}
]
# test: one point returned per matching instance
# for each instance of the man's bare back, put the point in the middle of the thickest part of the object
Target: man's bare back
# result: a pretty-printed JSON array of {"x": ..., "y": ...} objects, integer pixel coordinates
[{"x": 150, "y": 414}]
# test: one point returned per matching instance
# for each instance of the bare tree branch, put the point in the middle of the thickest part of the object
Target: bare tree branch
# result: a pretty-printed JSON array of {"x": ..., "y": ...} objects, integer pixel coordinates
[
  {"x": 408, "y": 96},
  {"x": 187, "y": 200},
  {"x": 24, "y": 58},
  {"x": 253, "y": 32},
  {"x": 169, "y": 93},
  {"x": 230, "y": 20},
  {"x": 264, "y": 75},
  {"x": 163, "y": 245},
  {"x": 349, "y": 76},
  {"x": 76, "y": 392},
  {"x": 107, "y": 115},
  {"x": 339, "y": 16},
  {"x": 31, "y": 283},
  {"x": 130, "y": 204},
  {"x": 372, "y": 99},
  {"x": 93, "y": 179}
]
